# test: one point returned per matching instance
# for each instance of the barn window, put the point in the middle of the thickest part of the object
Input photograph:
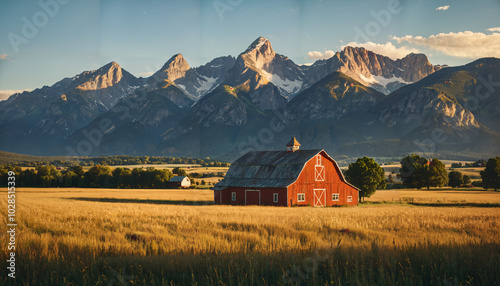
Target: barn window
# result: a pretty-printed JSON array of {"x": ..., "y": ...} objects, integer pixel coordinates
[
  {"x": 275, "y": 197},
  {"x": 335, "y": 197},
  {"x": 319, "y": 174},
  {"x": 233, "y": 196},
  {"x": 318, "y": 160},
  {"x": 349, "y": 199},
  {"x": 301, "y": 197}
]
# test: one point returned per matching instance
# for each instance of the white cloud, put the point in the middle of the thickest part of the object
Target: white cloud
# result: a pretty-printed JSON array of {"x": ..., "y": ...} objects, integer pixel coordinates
[
  {"x": 496, "y": 29},
  {"x": 462, "y": 44},
  {"x": 443, "y": 8},
  {"x": 387, "y": 49},
  {"x": 4, "y": 57},
  {"x": 315, "y": 55},
  {"x": 4, "y": 94},
  {"x": 146, "y": 73}
]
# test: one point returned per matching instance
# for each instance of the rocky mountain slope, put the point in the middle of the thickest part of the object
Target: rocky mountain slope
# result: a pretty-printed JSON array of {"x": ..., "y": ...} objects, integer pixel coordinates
[
  {"x": 267, "y": 77},
  {"x": 371, "y": 69},
  {"x": 453, "y": 112},
  {"x": 474, "y": 87},
  {"x": 334, "y": 97},
  {"x": 135, "y": 125},
  {"x": 201, "y": 80},
  {"x": 35, "y": 120},
  {"x": 195, "y": 82}
]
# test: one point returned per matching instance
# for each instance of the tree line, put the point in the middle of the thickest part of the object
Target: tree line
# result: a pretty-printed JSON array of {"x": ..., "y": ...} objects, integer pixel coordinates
[
  {"x": 97, "y": 176},
  {"x": 478, "y": 163},
  {"x": 418, "y": 172},
  {"x": 125, "y": 160}
]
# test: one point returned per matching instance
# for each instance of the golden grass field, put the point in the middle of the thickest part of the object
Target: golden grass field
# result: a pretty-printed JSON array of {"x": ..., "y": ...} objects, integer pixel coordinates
[
  {"x": 171, "y": 237},
  {"x": 445, "y": 195}
]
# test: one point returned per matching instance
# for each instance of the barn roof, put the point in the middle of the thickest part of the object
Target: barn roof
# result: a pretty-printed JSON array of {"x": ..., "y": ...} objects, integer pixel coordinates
[
  {"x": 269, "y": 169},
  {"x": 266, "y": 169},
  {"x": 177, "y": 179}
]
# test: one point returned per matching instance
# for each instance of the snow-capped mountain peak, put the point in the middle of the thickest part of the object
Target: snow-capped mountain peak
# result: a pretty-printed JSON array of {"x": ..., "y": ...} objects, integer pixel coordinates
[
  {"x": 371, "y": 69},
  {"x": 261, "y": 44}
]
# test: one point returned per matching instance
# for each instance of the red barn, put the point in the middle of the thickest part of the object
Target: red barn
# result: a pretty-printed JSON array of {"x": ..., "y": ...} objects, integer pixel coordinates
[{"x": 285, "y": 178}]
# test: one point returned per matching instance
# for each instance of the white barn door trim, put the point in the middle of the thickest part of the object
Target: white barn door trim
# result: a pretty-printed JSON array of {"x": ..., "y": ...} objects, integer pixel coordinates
[{"x": 319, "y": 197}]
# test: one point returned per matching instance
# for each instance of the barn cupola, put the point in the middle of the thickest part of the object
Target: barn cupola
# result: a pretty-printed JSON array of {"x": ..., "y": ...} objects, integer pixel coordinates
[{"x": 292, "y": 145}]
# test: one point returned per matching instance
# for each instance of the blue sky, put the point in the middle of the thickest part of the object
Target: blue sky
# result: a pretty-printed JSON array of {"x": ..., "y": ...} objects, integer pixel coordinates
[{"x": 73, "y": 35}]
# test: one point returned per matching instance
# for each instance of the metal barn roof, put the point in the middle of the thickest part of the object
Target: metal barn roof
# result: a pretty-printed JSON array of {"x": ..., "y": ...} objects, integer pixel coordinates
[
  {"x": 177, "y": 179},
  {"x": 266, "y": 169}
]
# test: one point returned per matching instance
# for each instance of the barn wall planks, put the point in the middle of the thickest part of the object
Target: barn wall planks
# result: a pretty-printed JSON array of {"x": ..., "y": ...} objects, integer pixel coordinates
[
  {"x": 332, "y": 183},
  {"x": 244, "y": 197}
]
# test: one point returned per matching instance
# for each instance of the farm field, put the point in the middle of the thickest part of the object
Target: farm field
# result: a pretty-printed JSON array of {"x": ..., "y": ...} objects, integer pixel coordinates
[
  {"x": 445, "y": 195},
  {"x": 176, "y": 237}
]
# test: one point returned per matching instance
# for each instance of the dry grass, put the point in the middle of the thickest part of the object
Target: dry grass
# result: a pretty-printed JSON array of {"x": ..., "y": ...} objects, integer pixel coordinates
[
  {"x": 60, "y": 195},
  {"x": 87, "y": 236},
  {"x": 445, "y": 195}
]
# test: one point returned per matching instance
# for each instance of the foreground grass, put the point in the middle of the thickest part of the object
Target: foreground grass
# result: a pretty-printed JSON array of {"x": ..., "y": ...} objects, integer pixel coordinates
[{"x": 94, "y": 237}]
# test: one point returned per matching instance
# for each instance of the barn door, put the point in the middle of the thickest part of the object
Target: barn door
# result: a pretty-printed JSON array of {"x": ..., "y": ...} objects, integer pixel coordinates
[
  {"x": 319, "y": 197},
  {"x": 252, "y": 197},
  {"x": 217, "y": 197}
]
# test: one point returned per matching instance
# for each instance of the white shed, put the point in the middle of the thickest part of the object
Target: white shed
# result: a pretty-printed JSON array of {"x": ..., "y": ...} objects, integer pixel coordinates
[{"x": 180, "y": 182}]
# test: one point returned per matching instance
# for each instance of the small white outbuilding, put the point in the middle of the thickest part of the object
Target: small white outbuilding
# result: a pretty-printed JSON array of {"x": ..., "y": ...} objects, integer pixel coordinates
[{"x": 180, "y": 182}]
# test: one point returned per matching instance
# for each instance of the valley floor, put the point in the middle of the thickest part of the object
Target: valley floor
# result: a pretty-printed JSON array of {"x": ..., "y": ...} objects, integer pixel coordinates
[{"x": 176, "y": 237}]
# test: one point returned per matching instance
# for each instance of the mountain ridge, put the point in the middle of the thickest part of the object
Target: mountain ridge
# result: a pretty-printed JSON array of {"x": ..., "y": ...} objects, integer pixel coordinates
[
  {"x": 371, "y": 69},
  {"x": 341, "y": 104}
]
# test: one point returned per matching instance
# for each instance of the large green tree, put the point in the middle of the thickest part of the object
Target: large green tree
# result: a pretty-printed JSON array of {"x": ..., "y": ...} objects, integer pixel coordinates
[
  {"x": 437, "y": 174},
  {"x": 179, "y": 171},
  {"x": 70, "y": 179},
  {"x": 417, "y": 172},
  {"x": 99, "y": 176},
  {"x": 48, "y": 176},
  {"x": 467, "y": 180},
  {"x": 122, "y": 177},
  {"x": 491, "y": 174},
  {"x": 455, "y": 179},
  {"x": 414, "y": 171},
  {"x": 366, "y": 175}
]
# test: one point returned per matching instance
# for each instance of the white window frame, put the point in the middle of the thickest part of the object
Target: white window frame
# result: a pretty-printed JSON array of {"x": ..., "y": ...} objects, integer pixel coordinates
[
  {"x": 335, "y": 199},
  {"x": 233, "y": 196},
  {"x": 299, "y": 195},
  {"x": 349, "y": 199},
  {"x": 275, "y": 197},
  {"x": 318, "y": 160}
]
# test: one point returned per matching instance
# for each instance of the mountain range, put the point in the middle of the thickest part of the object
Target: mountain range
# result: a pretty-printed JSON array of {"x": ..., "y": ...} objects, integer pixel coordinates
[{"x": 355, "y": 103}]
